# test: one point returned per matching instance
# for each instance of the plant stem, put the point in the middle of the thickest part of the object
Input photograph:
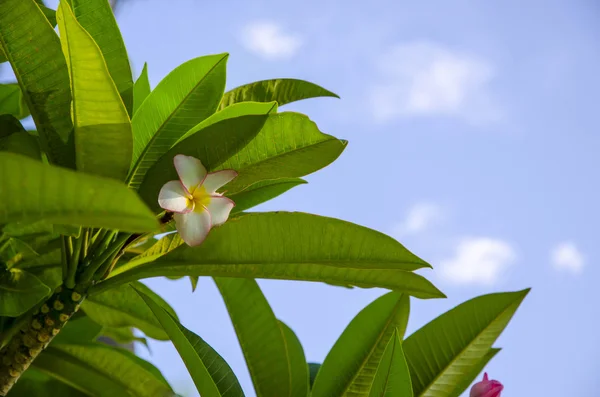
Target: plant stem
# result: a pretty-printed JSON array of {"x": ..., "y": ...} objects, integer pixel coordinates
[
  {"x": 98, "y": 261},
  {"x": 64, "y": 259},
  {"x": 35, "y": 333}
]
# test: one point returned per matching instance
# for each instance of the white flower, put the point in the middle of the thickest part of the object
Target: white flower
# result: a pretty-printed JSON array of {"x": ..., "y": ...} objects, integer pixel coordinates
[{"x": 194, "y": 199}]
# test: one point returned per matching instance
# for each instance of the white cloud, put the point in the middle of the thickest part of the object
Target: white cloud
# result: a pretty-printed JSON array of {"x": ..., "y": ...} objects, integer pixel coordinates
[
  {"x": 419, "y": 218},
  {"x": 478, "y": 260},
  {"x": 426, "y": 79},
  {"x": 568, "y": 257},
  {"x": 270, "y": 41}
]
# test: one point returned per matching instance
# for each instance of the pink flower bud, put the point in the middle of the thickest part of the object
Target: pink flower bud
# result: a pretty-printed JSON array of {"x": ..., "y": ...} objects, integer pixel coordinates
[{"x": 486, "y": 388}]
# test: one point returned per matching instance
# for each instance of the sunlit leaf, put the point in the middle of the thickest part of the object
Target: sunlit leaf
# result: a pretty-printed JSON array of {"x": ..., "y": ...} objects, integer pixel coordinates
[
  {"x": 35, "y": 54},
  {"x": 141, "y": 89},
  {"x": 187, "y": 96},
  {"x": 211, "y": 374},
  {"x": 32, "y": 191},
  {"x": 97, "y": 18},
  {"x": 261, "y": 192},
  {"x": 443, "y": 353},
  {"x": 281, "y": 90},
  {"x": 292, "y": 246},
  {"x": 103, "y": 139},
  {"x": 392, "y": 377},
  {"x": 212, "y": 146},
  {"x": 350, "y": 366}
]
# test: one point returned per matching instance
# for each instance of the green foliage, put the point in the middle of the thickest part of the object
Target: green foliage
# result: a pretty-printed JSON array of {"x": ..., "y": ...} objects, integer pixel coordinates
[
  {"x": 262, "y": 191},
  {"x": 282, "y": 91},
  {"x": 274, "y": 357},
  {"x": 19, "y": 291},
  {"x": 187, "y": 96},
  {"x": 123, "y": 307},
  {"x": 100, "y": 370},
  {"x": 12, "y": 101},
  {"x": 35, "y": 54},
  {"x": 32, "y": 191},
  {"x": 141, "y": 89},
  {"x": 96, "y": 17},
  {"x": 103, "y": 142},
  {"x": 210, "y": 373},
  {"x": 292, "y": 246},
  {"x": 350, "y": 367},
  {"x": 452, "y": 346},
  {"x": 392, "y": 378},
  {"x": 79, "y": 214}
]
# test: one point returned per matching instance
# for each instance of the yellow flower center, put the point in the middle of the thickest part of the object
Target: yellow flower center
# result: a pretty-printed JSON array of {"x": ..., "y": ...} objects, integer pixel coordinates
[{"x": 200, "y": 198}]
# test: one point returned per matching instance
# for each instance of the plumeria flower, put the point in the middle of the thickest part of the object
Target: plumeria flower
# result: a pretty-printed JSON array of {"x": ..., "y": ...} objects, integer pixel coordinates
[
  {"x": 486, "y": 388},
  {"x": 194, "y": 199}
]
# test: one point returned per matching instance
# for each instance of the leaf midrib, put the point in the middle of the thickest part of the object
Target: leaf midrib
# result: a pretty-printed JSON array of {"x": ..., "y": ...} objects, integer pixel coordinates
[{"x": 451, "y": 363}]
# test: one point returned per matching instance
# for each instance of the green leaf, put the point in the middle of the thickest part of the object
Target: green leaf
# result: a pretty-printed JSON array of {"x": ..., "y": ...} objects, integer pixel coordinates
[
  {"x": 392, "y": 378},
  {"x": 97, "y": 18},
  {"x": 212, "y": 146},
  {"x": 236, "y": 110},
  {"x": 122, "y": 335},
  {"x": 78, "y": 330},
  {"x": 123, "y": 307},
  {"x": 9, "y": 125},
  {"x": 187, "y": 96},
  {"x": 211, "y": 374},
  {"x": 14, "y": 247},
  {"x": 22, "y": 143},
  {"x": 101, "y": 370},
  {"x": 49, "y": 275},
  {"x": 297, "y": 360},
  {"x": 473, "y": 372},
  {"x": 263, "y": 339},
  {"x": 313, "y": 370},
  {"x": 141, "y": 89},
  {"x": 350, "y": 366},
  {"x": 12, "y": 101},
  {"x": 34, "y": 51},
  {"x": 289, "y": 145},
  {"x": 33, "y": 191},
  {"x": 49, "y": 13},
  {"x": 19, "y": 292},
  {"x": 166, "y": 244},
  {"x": 281, "y": 90},
  {"x": 292, "y": 246},
  {"x": 442, "y": 353},
  {"x": 103, "y": 139},
  {"x": 35, "y": 383},
  {"x": 261, "y": 192}
]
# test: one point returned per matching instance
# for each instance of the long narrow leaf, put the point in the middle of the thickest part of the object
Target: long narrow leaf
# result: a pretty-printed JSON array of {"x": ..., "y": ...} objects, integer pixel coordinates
[
  {"x": 33, "y": 191},
  {"x": 123, "y": 307},
  {"x": 210, "y": 373},
  {"x": 141, "y": 89},
  {"x": 294, "y": 246},
  {"x": 260, "y": 336},
  {"x": 299, "y": 375},
  {"x": 100, "y": 370},
  {"x": 392, "y": 378},
  {"x": 103, "y": 139},
  {"x": 35, "y": 54},
  {"x": 350, "y": 366},
  {"x": 443, "y": 353},
  {"x": 97, "y": 18},
  {"x": 281, "y": 90},
  {"x": 472, "y": 373}
]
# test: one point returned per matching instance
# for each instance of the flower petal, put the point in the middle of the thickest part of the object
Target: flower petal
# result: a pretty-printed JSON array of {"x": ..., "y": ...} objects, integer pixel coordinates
[
  {"x": 194, "y": 226},
  {"x": 215, "y": 180},
  {"x": 190, "y": 170},
  {"x": 219, "y": 208},
  {"x": 173, "y": 197}
]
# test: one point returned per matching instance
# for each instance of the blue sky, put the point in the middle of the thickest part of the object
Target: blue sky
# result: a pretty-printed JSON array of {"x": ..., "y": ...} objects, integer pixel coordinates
[{"x": 473, "y": 140}]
